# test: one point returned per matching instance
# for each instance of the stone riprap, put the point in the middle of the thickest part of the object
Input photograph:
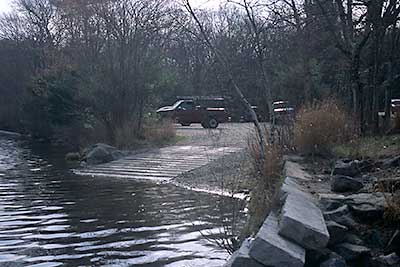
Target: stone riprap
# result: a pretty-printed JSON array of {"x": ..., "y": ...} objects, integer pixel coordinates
[
  {"x": 294, "y": 170},
  {"x": 284, "y": 237},
  {"x": 341, "y": 183},
  {"x": 271, "y": 249},
  {"x": 302, "y": 222},
  {"x": 291, "y": 186},
  {"x": 242, "y": 258},
  {"x": 337, "y": 232}
]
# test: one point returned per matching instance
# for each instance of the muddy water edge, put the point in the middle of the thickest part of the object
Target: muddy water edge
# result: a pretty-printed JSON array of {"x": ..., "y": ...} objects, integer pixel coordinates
[{"x": 51, "y": 217}]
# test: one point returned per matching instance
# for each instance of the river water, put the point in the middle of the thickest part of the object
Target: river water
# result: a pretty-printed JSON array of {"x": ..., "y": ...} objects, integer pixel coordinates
[{"x": 50, "y": 217}]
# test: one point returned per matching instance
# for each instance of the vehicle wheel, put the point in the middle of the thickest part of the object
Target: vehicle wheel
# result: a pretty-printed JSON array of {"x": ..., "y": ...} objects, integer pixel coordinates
[
  {"x": 212, "y": 123},
  {"x": 185, "y": 124},
  {"x": 204, "y": 124}
]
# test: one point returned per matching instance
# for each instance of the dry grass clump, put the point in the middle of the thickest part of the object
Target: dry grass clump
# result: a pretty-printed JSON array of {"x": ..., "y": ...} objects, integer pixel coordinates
[
  {"x": 370, "y": 147},
  {"x": 320, "y": 126},
  {"x": 391, "y": 191},
  {"x": 268, "y": 182},
  {"x": 159, "y": 131},
  {"x": 392, "y": 209},
  {"x": 153, "y": 132}
]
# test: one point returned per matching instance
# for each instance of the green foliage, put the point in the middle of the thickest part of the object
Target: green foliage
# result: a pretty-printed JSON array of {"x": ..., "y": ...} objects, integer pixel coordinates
[
  {"x": 369, "y": 147},
  {"x": 53, "y": 102}
]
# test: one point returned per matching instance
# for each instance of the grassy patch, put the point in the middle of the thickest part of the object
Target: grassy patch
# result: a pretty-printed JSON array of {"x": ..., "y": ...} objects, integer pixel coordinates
[
  {"x": 319, "y": 127},
  {"x": 369, "y": 147},
  {"x": 267, "y": 184}
]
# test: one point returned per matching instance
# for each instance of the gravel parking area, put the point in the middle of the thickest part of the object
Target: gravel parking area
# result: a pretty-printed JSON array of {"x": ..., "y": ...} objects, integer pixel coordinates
[{"x": 227, "y": 134}]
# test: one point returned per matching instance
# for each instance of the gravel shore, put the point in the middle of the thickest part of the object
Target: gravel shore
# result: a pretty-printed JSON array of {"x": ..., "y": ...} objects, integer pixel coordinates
[{"x": 231, "y": 174}]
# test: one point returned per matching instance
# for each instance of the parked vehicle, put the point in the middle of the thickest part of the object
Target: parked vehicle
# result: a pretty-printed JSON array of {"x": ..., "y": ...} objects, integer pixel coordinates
[
  {"x": 247, "y": 117},
  {"x": 395, "y": 107},
  {"x": 282, "y": 112},
  {"x": 208, "y": 111}
]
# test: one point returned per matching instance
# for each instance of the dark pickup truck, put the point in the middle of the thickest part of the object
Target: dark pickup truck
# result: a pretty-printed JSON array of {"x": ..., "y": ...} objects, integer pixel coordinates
[{"x": 187, "y": 111}]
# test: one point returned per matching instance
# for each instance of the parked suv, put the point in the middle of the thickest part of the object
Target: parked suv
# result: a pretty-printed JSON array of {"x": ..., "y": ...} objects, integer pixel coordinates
[
  {"x": 395, "y": 107},
  {"x": 283, "y": 113},
  {"x": 207, "y": 111}
]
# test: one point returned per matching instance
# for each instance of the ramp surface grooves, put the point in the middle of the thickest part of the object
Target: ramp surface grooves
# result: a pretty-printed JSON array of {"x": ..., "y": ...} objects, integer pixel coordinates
[{"x": 160, "y": 165}]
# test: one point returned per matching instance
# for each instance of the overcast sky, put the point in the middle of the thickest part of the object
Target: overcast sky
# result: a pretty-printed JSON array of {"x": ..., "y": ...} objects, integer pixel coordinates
[{"x": 5, "y": 5}]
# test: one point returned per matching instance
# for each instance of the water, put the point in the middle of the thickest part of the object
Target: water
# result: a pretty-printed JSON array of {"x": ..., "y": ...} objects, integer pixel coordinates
[{"x": 50, "y": 217}]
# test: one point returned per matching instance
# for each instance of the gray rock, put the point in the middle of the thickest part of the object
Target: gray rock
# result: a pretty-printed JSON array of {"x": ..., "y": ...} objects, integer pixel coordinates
[
  {"x": 337, "y": 213},
  {"x": 241, "y": 257},
  {"x": 351, "y": 252},
  {"x": 353, "y": 239},
  {"x": 118, "y": 154},
  {"x": 346, "y": 168},
  {"x": 328, "y": 198},
  {"x": 302, "y": 222},
  {"x": 391, "y": 260},
  {"x": 392, "y": 162},
  {"x": 337, "y": 232},
  {"x": 72, "y": 156},
  {"x": 296, "y": 171},
  {"x": 315, "y": 257},
  {"x": 375, "y": 238},
  {"x": 271, "y": 249},
  {"x": 99, "y": 155},
  {"x": 363, "y": 205},
  {"x": 291, "y": 186},
  {"x": 367, "y": 205},
  {"x": 394, "y": 243},
  {"x": 334, "y": 261},
  {"x": 341, "y": 183}
]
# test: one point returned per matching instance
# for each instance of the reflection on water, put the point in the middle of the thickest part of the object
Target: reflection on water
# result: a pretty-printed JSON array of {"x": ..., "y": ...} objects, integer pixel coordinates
[{"x": 49, "y": 217}]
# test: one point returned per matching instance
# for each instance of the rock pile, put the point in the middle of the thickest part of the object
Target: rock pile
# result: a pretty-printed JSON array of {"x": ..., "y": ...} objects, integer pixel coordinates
[
  {"x": 300, "y": 234},
  {"x": 289, "y": 234}
]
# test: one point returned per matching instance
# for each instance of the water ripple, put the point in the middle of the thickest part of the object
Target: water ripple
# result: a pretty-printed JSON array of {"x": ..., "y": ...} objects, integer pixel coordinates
[{"x": 49, "y": 217}]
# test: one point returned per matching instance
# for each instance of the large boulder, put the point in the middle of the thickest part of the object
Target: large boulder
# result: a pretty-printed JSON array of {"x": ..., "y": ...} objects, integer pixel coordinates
[
  {"x": 353, "y": 239},
  {"x": 367, "y": 205},
  {"x": 302, "y": 222},
  {"x": 271, "y": 249},
  {"x": 341, "y": 216},
  {"x": 334, "y": 261},
  {"x": 100, "y": 153},
  {"x": 337, "y": 232},
  {"x": 315, "y": 257},
  {"x": 341, "y": 183},
  {"x": 391, "y": 162},
  {"x": 394, "y": 243},
  {"x": 72, "y": 156},
  {"x": 351, "y": 252},
  {"x": 350, "y": 168},
  {"x": 391, "y": 260},
  {"x": 242, "y": 258}
]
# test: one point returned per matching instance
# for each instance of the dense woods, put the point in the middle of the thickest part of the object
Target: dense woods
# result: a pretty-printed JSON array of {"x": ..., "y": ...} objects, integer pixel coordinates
[{"x": 72, "y": 69}]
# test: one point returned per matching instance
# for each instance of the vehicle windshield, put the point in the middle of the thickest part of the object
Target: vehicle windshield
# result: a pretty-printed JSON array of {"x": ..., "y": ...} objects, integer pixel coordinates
[{"x": 177, "y": 103}]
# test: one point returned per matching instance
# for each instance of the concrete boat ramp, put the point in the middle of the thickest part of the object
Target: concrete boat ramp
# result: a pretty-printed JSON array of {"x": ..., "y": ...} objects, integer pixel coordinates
[{"x": 160, "y": 164}]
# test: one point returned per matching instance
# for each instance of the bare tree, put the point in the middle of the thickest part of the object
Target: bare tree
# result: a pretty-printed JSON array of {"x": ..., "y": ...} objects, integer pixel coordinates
[{"x": 225, "y": 65}]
